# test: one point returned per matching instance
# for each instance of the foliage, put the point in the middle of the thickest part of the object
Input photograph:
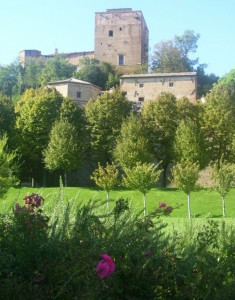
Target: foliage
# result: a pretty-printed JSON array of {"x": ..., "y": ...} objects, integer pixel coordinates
[
  {"x": 173, "y": 55},
  {"x": 205, "y": 81},
  {"x": 59, "y": 261},
  {"x": 185, "y": 176},
  {"x": 9, "y": 79},
  {"x": 160, "y": 118},
  {"x": 132, "y": 146},
  {"x": 141, "y": 177},
  {"x": 98, "y": 73},
  {"x": 56, "y": 68},
  {"x": 7, "y": 115},
  {"x": 189, "y": 144},
  {"x": 104, "y": 118},
  {"x": 228, "y": 79},
  {"x": 106, "y": 177},
  {"x": 223, "y": 175},
  {"x": 218, "y": 123},
  {"x": 8, "y": 166},
  {"x": 36, "y": 112},
  {"x": 65, "y": 150}
]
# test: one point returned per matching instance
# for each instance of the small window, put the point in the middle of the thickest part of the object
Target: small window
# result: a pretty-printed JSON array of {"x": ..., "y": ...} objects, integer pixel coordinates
[
  {"x": 141, "y": 85},
  {"x": 120, "y": 59},
  {"x": 171, "y": 84},
  {"x": 120, "y": 28},
  {"x": 78, "y": 94},
  {"x": 110, "y": 33},
  {"x": 141, "y": 99}
]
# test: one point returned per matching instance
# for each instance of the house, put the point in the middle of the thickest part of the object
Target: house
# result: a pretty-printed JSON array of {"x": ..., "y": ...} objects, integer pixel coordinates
[
  {"x": 78, "y": 90},
  {"x": 141, "y": 87}
]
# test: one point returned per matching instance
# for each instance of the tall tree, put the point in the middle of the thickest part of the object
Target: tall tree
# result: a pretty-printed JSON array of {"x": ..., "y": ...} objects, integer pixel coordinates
[
  {"x": 7, "y": 115},
  {"x": 65, "y": 148},
  {"x": 160, "y": 119},
  {"x": 36, "y": 112},
  {"x": 173, "y": 55},
  {"x": 189, "y": 144},
  {"x": 104, "y": 117},
  {"x": 132, "y": 145},
  {"x": 56, "y": 68},
  {"x": 8, "y": 166},
  {"x": 9, "y": 79},
  {"x": 98, "y": 73},
  {"x": 218, "y": 122}
]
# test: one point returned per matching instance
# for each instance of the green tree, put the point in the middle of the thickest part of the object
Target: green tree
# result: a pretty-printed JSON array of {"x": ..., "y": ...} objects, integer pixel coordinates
[
  {"x": 205, "y": 81},
  {"x": 132, "y": 146},
  {"x": 141, "y": 177},
  {"x": 8, "y": 166},
  {"x": 65, "y": 149},
  {"x": 31, "y": 73},
  {"x": 37, "y": 110},
  {"x": 106, "y": 178},
  {"x": 9, "y": 79},
  {"x": 223, "y": 177},
  {"x": 189, "y": 144},
  {"x": 228, "y": 79},
  {"x": 160, "y": 119},
  {"x": 98, "y": 73},
  {"x": 104, "y": 117},
  {"x": 174, "y": 55},
  {"x": 7, "y": 114},
  {"x": 185, "y": 176},
  {"x": 56, "y": 68},
  {"x": 218, "y": 123}
]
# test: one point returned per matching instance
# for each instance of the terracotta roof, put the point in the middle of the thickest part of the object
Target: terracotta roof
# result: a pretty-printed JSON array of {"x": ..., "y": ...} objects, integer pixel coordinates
[
  {"x": 72, "y": 80},
  {"x": 160, "y": 75}
]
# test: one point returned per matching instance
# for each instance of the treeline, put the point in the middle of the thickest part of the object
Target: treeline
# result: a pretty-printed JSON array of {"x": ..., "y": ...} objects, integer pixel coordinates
[{"x": 47, "y": 132}]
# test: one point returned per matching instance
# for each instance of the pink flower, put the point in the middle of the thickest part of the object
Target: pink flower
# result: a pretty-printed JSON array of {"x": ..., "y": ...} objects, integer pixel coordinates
[
  {"x": 162, "y": 204},
  {"x": 105, "y": 267}
]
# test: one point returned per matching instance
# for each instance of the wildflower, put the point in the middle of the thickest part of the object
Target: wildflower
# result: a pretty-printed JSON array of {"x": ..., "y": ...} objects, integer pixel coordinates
[
  {"x": 168, "y": 209},
  {"x": 105, "y": 267},
  {"x": 162, "y": 204}
]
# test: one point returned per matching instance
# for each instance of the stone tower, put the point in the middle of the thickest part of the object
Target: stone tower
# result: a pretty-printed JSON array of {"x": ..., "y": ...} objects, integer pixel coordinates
[{"x": 122, "y": 38}]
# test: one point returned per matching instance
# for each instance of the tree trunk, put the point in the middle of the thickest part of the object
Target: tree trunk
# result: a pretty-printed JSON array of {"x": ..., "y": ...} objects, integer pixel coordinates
[
  {"x": 32, "y": 181},
  {"x": 189, "y": 206},
  {"x": 65, "y": 178},
  {"x": 144, "y": 205},
  {"x": 164, "y": 176},
  {"x": 107, "y": 204},
  {"x": 223, "y": 205}
]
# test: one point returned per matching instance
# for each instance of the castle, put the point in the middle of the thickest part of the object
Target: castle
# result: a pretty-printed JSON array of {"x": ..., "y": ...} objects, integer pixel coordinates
[{"x": 122, "y": 39}]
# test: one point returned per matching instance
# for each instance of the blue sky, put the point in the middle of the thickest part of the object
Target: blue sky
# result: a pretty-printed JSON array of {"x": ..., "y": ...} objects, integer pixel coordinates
[{"x": 69, "y": 26}]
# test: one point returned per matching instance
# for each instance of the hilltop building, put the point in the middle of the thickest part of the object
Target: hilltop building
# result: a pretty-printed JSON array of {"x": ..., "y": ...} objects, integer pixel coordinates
[
  {"x": 78, "y": 90},
  {"x": 142, "y": 87},
  {"x": 121, "y": 38}
]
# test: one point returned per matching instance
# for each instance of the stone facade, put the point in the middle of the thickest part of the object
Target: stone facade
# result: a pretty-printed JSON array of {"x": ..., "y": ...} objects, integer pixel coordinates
[
  {"x": 142, "y": 87},
  {"x": 78, "y": 90},
  {"x": 121, "y": 37}
]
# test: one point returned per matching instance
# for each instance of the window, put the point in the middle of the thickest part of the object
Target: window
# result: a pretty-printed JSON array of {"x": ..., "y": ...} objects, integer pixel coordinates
[
  {"x": 120, "y": 59},
  {"x": 120, "y": 28},
  {"x": 141, "y": 99},
  {"x": 110, "y": 33},
  {"x": 141, "y": 85},
  {"x": 78, "y": 94},
  {"x": 171, "y": 84}
]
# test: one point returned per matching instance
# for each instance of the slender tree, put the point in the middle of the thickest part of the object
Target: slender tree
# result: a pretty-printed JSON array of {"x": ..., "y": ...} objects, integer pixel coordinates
[
  {"x": 141, "y": 177},
  {"x": 106, "y": 178},
  {"x": 185, "y": 176},
  {"x": 223, "y": 177}
]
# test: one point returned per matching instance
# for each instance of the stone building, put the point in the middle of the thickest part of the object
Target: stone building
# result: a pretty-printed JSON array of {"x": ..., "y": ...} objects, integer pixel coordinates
[
  {"x": 78, "y": 90},
  {"x": 142, "y": 87},
  {"x": 121, "y": 38}
]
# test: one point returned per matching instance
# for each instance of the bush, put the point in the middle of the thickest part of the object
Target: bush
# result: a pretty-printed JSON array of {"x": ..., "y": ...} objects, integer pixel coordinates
[{"x": 81, "y": 254}]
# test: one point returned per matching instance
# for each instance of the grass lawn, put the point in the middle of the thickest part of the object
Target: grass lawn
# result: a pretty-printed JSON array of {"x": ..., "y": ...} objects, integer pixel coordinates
[{"x": 204, "y": 203}]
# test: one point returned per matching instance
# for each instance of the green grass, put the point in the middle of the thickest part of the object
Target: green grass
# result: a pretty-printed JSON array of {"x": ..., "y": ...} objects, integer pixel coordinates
[{"x": 204, "y": 203}]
